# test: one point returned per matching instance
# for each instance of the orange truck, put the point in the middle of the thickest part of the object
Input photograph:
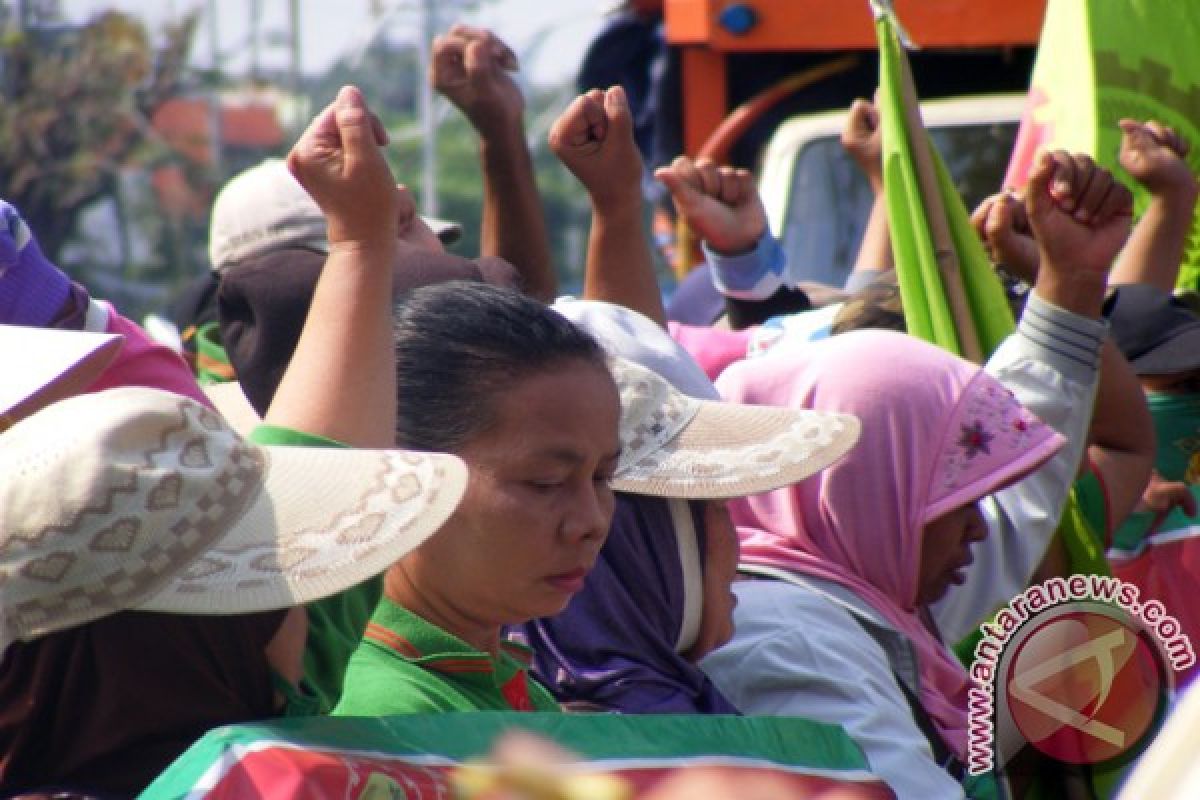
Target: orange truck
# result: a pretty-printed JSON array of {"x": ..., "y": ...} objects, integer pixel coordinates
[{"x": 780, "y": 73}]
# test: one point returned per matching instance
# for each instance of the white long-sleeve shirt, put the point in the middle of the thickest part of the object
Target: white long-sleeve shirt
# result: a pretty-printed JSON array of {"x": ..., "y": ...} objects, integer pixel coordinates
[{"x": 802, "y": 650}]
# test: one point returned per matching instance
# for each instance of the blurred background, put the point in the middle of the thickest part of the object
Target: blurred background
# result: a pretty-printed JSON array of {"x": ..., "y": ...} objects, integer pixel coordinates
[{"x": 120, "y": 120}]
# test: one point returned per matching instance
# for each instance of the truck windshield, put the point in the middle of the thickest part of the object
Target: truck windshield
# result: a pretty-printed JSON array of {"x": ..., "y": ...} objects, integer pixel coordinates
[{"x": 830, "y": 199}]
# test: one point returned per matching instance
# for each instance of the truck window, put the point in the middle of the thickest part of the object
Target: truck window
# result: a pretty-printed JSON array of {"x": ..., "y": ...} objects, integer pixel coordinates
[{"x": 829, "y": 199}]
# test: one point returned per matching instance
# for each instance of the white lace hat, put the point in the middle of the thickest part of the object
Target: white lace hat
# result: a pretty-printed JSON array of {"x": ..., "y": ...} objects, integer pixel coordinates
[
  {"x": 677, "y": 445},
  {"x": 673, "y": 445},
  {"x": 140, "y": 499},
  {"x": 43, "y": 365}
]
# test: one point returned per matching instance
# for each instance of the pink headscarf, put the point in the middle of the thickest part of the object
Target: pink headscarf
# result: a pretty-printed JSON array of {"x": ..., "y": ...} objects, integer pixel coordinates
[{"x": 937, "y": 433}]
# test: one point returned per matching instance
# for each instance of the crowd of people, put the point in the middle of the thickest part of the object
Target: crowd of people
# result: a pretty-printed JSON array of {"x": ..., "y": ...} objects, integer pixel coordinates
[{"x": 417, "y": 482}]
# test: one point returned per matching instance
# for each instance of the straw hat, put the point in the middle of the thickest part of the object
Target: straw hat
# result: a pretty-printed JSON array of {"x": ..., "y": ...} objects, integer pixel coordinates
[
  {"x": 673, "y": 445},
  {"x": 45, "y": 365},
  {"x": 136, "y": 498}
]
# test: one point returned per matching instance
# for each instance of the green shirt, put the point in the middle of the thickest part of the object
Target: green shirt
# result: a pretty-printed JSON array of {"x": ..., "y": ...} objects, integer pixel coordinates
[
  {"x": 406, "y": 665},
  {"x": 335, "y": 623},
  {"x": 212, "y": 362}
]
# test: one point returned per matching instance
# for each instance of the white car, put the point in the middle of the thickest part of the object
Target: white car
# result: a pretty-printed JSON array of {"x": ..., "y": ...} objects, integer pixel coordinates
[{"x": 817, "y": 199}]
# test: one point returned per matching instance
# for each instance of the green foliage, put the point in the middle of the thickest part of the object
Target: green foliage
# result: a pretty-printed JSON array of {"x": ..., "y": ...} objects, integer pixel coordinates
[
  {"x": 386, "y": 72},
  {"x": 460, "y": 184},
  {"x": 74, "y": 112}
]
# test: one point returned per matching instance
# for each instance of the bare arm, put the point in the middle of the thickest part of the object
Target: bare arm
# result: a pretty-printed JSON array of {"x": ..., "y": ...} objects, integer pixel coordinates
[
  {"x": 472, "y": 68},
  {"x": 1155, "y": 156},
  {"x": 1122, "y": 445},
  {"x": 862, "y": 139},
  {"x": 594, "y": 140},
  {"x": 341, "y": 381}
]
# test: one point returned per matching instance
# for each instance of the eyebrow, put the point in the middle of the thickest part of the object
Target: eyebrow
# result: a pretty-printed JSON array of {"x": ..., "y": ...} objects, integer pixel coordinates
[{"x": 569, "y": 456}]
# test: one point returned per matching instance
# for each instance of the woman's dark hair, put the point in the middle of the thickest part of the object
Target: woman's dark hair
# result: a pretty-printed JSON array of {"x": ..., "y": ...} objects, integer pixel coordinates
[{"x": 460, "y": 344}]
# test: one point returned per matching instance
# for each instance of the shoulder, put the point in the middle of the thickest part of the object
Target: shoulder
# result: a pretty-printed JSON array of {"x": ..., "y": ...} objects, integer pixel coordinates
[
  {"x": 790, "y": 637},
  {"x": 378, "y": 684}
]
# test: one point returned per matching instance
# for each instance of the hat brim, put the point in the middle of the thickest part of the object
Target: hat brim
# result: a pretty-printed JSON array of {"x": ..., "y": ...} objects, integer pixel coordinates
[
  {"x": 231, "y": 402},
  {"x": 730, "y": 450},
  {"x": 301, "y": 540},
  {"x": 447, "y": 232},
  {"x": 45, "y": 365},
  {"x": 1180, "y": 353}
]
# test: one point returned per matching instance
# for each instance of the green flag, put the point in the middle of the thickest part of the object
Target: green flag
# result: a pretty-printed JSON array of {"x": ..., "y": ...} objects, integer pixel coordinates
[
  {"x": 1100, "y": 61},
  {"x": 951, "y": 296},
  {"x": 938, "y": 257}
]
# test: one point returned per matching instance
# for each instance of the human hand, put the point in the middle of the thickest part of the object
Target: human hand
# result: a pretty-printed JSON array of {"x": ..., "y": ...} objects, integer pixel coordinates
[
  {"x": 473, "y": 69},
  {"x": 594, "y": 140},
  {"x": 339, "y": 162},
  {"x": 1003, "y": 225},
  {"x": 1161, "y": 496},
  {"x": 862, "y": 139},
  {"x": 721, "y": 204},
  {"x": 1079, "y": 215},
  {"x": 1156, "y": 157}
]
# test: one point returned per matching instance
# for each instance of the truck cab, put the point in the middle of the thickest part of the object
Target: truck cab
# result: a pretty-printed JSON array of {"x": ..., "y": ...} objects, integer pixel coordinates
[
  {"x": 817, "y": 199},
  {"x": 972, "y": 68}
]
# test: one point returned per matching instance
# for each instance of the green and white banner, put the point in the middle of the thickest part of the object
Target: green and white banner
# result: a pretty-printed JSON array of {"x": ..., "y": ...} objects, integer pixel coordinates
[{"x": 417, "y": 756}]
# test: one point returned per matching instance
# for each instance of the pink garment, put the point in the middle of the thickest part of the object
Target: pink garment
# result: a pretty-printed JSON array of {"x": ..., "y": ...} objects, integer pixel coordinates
[
  {"x": 144, "y": 362},
  {"x": 713, "y": 348},
  {"x": 938, "y": 433}
]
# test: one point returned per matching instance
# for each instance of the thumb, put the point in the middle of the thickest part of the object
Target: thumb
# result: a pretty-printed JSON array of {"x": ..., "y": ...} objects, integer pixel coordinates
[
  {"x": 616, "y": 108},
  {"x": 1038, "y": 201},
  {"x": 681, "y": 191},
  {"x": 354, "y": 124},
  {"x": 1000, "y": 220}
]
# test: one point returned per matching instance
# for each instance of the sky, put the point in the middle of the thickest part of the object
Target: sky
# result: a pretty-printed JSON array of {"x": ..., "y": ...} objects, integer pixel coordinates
[{"x": 549, "y": 36}]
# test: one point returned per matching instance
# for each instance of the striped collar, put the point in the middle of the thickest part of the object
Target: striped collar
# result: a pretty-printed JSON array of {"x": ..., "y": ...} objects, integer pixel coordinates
[{"x": 418, "y": 641}]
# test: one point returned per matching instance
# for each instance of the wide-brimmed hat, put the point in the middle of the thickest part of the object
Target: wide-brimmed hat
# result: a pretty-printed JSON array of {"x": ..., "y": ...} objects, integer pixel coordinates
[
  {"x": 635, "y": 337},
  {"x": 137, "y": 498},
  {"x": 673, "y": 445},
  {"x": 44, "y": 365},
  {"x": 265, "y": 208},
  {"x": 1157, "y": 332}
]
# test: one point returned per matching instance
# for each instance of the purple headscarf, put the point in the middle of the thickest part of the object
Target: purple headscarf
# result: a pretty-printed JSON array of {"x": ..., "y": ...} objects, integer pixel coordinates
[{"x": 614, "y": 645}]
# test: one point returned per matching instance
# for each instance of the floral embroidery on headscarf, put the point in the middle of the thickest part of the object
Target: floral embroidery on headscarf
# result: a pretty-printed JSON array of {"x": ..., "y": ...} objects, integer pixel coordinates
[
  {"x": 975, "y": 439},
  {"x": 993, "y": 429}
]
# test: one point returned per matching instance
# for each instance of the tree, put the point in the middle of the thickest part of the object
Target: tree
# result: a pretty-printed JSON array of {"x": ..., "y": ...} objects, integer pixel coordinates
[{"x": 75, "y": 109}]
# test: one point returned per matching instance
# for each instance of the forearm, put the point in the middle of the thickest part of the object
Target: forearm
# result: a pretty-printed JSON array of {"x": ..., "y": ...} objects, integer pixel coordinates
[
  {"x": 1156, "y": 246},
  {"x": 1077, "y": 291},
  {"x": 514, "y": 227},
  {"x": 341, "y": 381},
  {"x": 875, "y": 251},
  {"x": 619, "y": 266},
  {"x": 1122, "y": 435}
]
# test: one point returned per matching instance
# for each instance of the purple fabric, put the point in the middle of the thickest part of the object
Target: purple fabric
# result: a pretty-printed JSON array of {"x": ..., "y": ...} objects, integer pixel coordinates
[
  {"x": 696, "y": 301},
  {"x": 32, "y": 290},
  {"x": 614, "y": 645}
]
